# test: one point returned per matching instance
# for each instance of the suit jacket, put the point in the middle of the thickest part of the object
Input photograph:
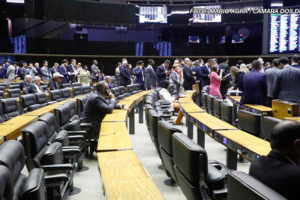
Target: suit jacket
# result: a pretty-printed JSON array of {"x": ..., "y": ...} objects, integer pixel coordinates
[
  {"x": 18, "y": 72},
  {"x": 150, "y": 77},
  {"x": 203, "y": 73},
  {"x": 125, "y": 75},
  {"x": 95, "y": 72},
  {"x": 31, "y": 89},
  {"x": 277, "y": 172},
  {"x": 53, "y": 70},
  {"x": 296, "y": 66},
  {"x": 139, "y": 76},
  {"x": 161, "y": 75},
  {"x": 174, "y": 83},
  {"x": 10, "y": 72},
  {"x": 197, "y": 70},
  {"x": 288, "y": 85},
  {"x": 23, "y": 86},
  {"x": 238, "y": 81},
  {"x": 55, "y": 86},
  {"x": 63, "y": 71},
  {"x": 46, "y": 75},
  {"x": 71, "y": 73},
  {"x": 188, "y": 77},
  {"x": 95, "y": 109},
  {"x": 272, "y": 76},
  {"x": 23, "y": 73},
  {"x": 254, "y": 88}
]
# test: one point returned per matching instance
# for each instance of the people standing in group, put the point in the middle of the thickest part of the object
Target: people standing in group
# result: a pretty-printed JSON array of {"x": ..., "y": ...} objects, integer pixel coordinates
[
  {"x": 85, "y": 76},
  {"x": 45, "y": 72},
  {"x": 63, "y": 70},
  {"x": 215, "y": 82},
  {"x": 95, "y": 71},
  {"x": 139, "y": 73},
  {"x": 125, "y": 74},
  {"x": 72, "y": 71},
  {"x": 272, "y": 78},
  {"x": 189, "y": 78},
  {"x": 204, "y": 73},
  {"x": 162, "y": 72},
  {"x": 150, "y": 77},
  {"x": 32, "y": 71}
]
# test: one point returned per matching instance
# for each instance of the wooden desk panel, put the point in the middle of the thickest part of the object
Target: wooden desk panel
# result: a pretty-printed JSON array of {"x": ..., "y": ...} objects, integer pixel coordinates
[
  {"x": 1, "y": 140},
  {"x": 116, "y": 116},
  {"x": 191, "y": 107},
  {"x": 132, "y": 189},
  {"x": 120, "y": 166},
  {"x": 21, "y": 120},
  {"x": 293, "y": 118}
]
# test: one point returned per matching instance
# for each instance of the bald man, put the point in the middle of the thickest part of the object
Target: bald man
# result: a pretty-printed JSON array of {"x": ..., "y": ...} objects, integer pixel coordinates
[{"x": 280, "y": 169}]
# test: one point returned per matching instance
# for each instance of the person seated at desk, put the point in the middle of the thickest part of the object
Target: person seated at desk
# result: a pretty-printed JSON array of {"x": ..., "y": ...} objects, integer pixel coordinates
[
  {"x": 98, "y": 104},
  {"x": 25, "y": 84},
  {"x": 35, "y": 87},
  {"x": 165, "y": 95},
  {"x": 107, "y": 80},
  {"x": 280, "y": 168},
  {"x": 56, "y": 82}
]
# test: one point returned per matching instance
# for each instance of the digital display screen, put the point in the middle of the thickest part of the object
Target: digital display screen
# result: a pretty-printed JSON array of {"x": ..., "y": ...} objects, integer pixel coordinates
[
  {"x": 284, "y": 33},
  {"x": 153, "y": 14},
  {"x": 15, "y": 1},
  {"x": 206, "y": 18},
  {"x": 237, "y": 39},
  {"x": 194, "y": 39}
]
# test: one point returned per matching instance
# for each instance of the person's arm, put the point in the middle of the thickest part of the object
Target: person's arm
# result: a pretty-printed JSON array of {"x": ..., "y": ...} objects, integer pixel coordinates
[
  {"x": 160, "y": 72},
  {"x": 219, "y": 77},
  {"x": 105, "y": 108},
  {"x": 202, "y": 74}
]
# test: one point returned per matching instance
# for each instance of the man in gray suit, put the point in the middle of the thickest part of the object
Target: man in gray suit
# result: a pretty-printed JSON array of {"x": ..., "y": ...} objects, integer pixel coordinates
[
  {"x": 272, "y": 76},
  {"x": 95, "y": 71},
  {"x": 45, "y": 72},
  {"x": 11, "y": 71},
  {"x": 288, "y": 83},
  {"x": 150, "y": 77}
]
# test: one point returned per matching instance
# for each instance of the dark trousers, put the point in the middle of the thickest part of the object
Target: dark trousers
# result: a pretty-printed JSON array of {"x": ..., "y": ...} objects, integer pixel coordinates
[{"x": 269, "y": 102}]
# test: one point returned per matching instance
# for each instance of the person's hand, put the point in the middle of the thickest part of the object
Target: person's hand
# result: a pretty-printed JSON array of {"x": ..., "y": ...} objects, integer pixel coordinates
[
  {"x": 194, "y": 73},
  {"x": 222, "y": 70},
  {"x": 195, "y": 78},
  {"x": 125, "y": 107},
  {"x": 111, "y": 95}
]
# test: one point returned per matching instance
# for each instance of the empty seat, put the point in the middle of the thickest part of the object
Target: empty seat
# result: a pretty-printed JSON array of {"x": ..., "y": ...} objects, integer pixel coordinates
[
  {"x": 204, "y": 100},
  {"x": 13, "y": 93},
  {"x": 41, "y": 98},
  {"x": 76, "y": 84},
  {"x": 165, "y": 132},
  {"x": 130, "y": 88},
  {"x": 147, "y": 108},
  {"x": 77, "y": 90},
  {"x": 65, "y": 93},
  {"x": 243, "y": 186},
  {"x": 15, "y": 86},
  {"x": 80, "y": 104},
  {"x": 195, "y": 175},
  {"x": 217, "y": 108},
  {"x": 116, "y": 91},
  {"x": 267, "y": 125},
  {"x": 29, "y": 102},
  {"x": 55, "y": 95},
  {"x": 210, "y": 104},
  {"x": 4, "y": 85},
  {"x": 153, "y": 129},
  {"x": 66, "y": 85},
  {"x": 227, "y": 112},
  {"x": 10, "y": 108},
  {"x": 137, "y": 88},
  {"x": 249, "y": 122},
  {"x": 86, "y": 89},
  {"x": 15, "y": 185},
  {"x": 2, "y": 94}
]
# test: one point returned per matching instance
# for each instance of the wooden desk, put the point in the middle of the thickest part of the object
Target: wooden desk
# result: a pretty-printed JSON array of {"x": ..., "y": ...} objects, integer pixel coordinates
[
  {"x": 235, "y": 99},
  {"x": 190, "y": 108},
  {"x": 259, "y": 109},
  {"x": 116, "y": 116},
  {"x": 1, "y": 140},
  {"x": 129, "y": 104},
  {"x": 21, "y": 120},
  {"x": 113, "y": 136},
  {"x": 293, "y": 118}
]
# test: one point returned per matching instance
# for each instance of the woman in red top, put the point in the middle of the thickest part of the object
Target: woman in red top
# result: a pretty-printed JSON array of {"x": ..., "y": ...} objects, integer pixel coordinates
[{"x": 215, "y": 81}]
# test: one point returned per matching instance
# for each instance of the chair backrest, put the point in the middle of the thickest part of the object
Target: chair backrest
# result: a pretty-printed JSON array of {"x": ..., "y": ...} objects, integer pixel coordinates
[
  {"x": 130, "y": 88},
  {"x": 86, "y": 89},
  {"x": 165, "y": 132},
  {"x": 6, "y": 185},
  {"x": 55, "y": 95},
  {"x": 249, "y": 122},
  {"x": 226, "y": 112},
  {"x": 217, "y": 107},
  {"x": 72, "y": 107},
  {"x": 62, "y": 114},
  {"x": 137, "y": 87},
  {"x": 15, "y": 86},
  {"x": 80, "y": 104},
  {"x": 49, "y": 119},
  {"x": 122, "y": 89},
  {"x": 10, "y": 108},
  {"x": 2, "y": 94},
  {"x": 204, "y": 100},
  {"x": 153, "y": 120},
  {"x": 12, "y": 93},
  {"x": 41, "y": 98},
  {"x": 77, "y": 90},
  {"x": 267, "y": 125},
  {"x": 148, "y": 107},
  {"x": 66, "y": 85},
  {"x": 116, "y": 91},
  {"x": 28, "y": 100},
  {"x": 76, "y": 84},
  {"x": 190, "y": 163},
  {"x": 66, "y": 93},
  {"x": 4, "y": 85},
  {"x": 243, "y": 186},
  {"x": 210, "y": 104},
  {"x": 2, "y": 88}
]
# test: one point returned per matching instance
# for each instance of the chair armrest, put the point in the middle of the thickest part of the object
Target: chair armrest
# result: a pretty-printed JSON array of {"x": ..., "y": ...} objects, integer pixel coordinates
[
  {"x": 220, "y": 194},
  {"x": 65, "y": 166},
  {"x": 71, "y": 147},
  {"x": 73, "y": 133},
  {"x": 56, "y": 178},
  {"x": 71, "y": 151}
]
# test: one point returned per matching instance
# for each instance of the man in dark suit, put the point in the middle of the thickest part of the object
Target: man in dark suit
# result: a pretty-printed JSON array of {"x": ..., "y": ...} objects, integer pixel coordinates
[
  {"x": 63, "y": 71},
  {"x": 56, "y": 82},
  {"x": 188, "y": 77},
  {"x": 226, "y": 77},
  {"x": 71, "y": 69},
  {"x": 25, "y": 84},
  {"x": 255, "y": 86},
  {"x": 295, "y": 61},
  {"x": 125, "y": 74},
  {"x": 204, "y": 73},
  {"x": 139, "y": 73},
  {"x": 280, "y": 168},
  {"x": 35, "y": 87},
  {"x": 162, "y": 72},
  {"x": 54, "y": 69},
  {"x": 98, "y": 104}
]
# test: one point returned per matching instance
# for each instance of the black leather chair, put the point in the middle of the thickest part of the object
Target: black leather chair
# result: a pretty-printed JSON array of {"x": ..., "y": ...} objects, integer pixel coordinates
[
  {"x": 217, "y": 108},
  {"x": 4, "y": 85},
  {"x": 49, "y": 157},
  {"x": 249, "y": 122},
  {"x": 76, "y": 84},
  {"x": 2, "y": 94},
  {"x": 204, "y": 100},
  {"x": 86, "y": 89},
  {"x": 66, "y": 85},
  {"x": 267, "y": 125},
  {"x": 165, "y": 132},
  {"x": 29, "y": 103},
  {"x": 130, "y": 89},
  {"x": 41, "y": 98},
  {"x": 14, "y": 86},
  {"x": 13, "y": 184},
  {"x": 10, "y": 108},
  {"x": 2, "y": 88},
  {"x": 69, "y": 139},
  {"x": 243, "y": 186},
  {"x": 196, "y": 176},
  {"x": 116, "y": 91},
  {"x": 153, "y": 126},
  {"x": 65, "y": 93},
  {"x": 80, "y": 105},
  {"x": 13, "y": 93},
  {"x": 148, "y": 107},
  {"x": 122, "y": 93},
  {"x": 55, "y": 95},
  {"x": 227, "y": 112},
  {"x": 210, "y": 104},
  {"x": 137, "y": 88},
  {"x": 77, "y": 90}
]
